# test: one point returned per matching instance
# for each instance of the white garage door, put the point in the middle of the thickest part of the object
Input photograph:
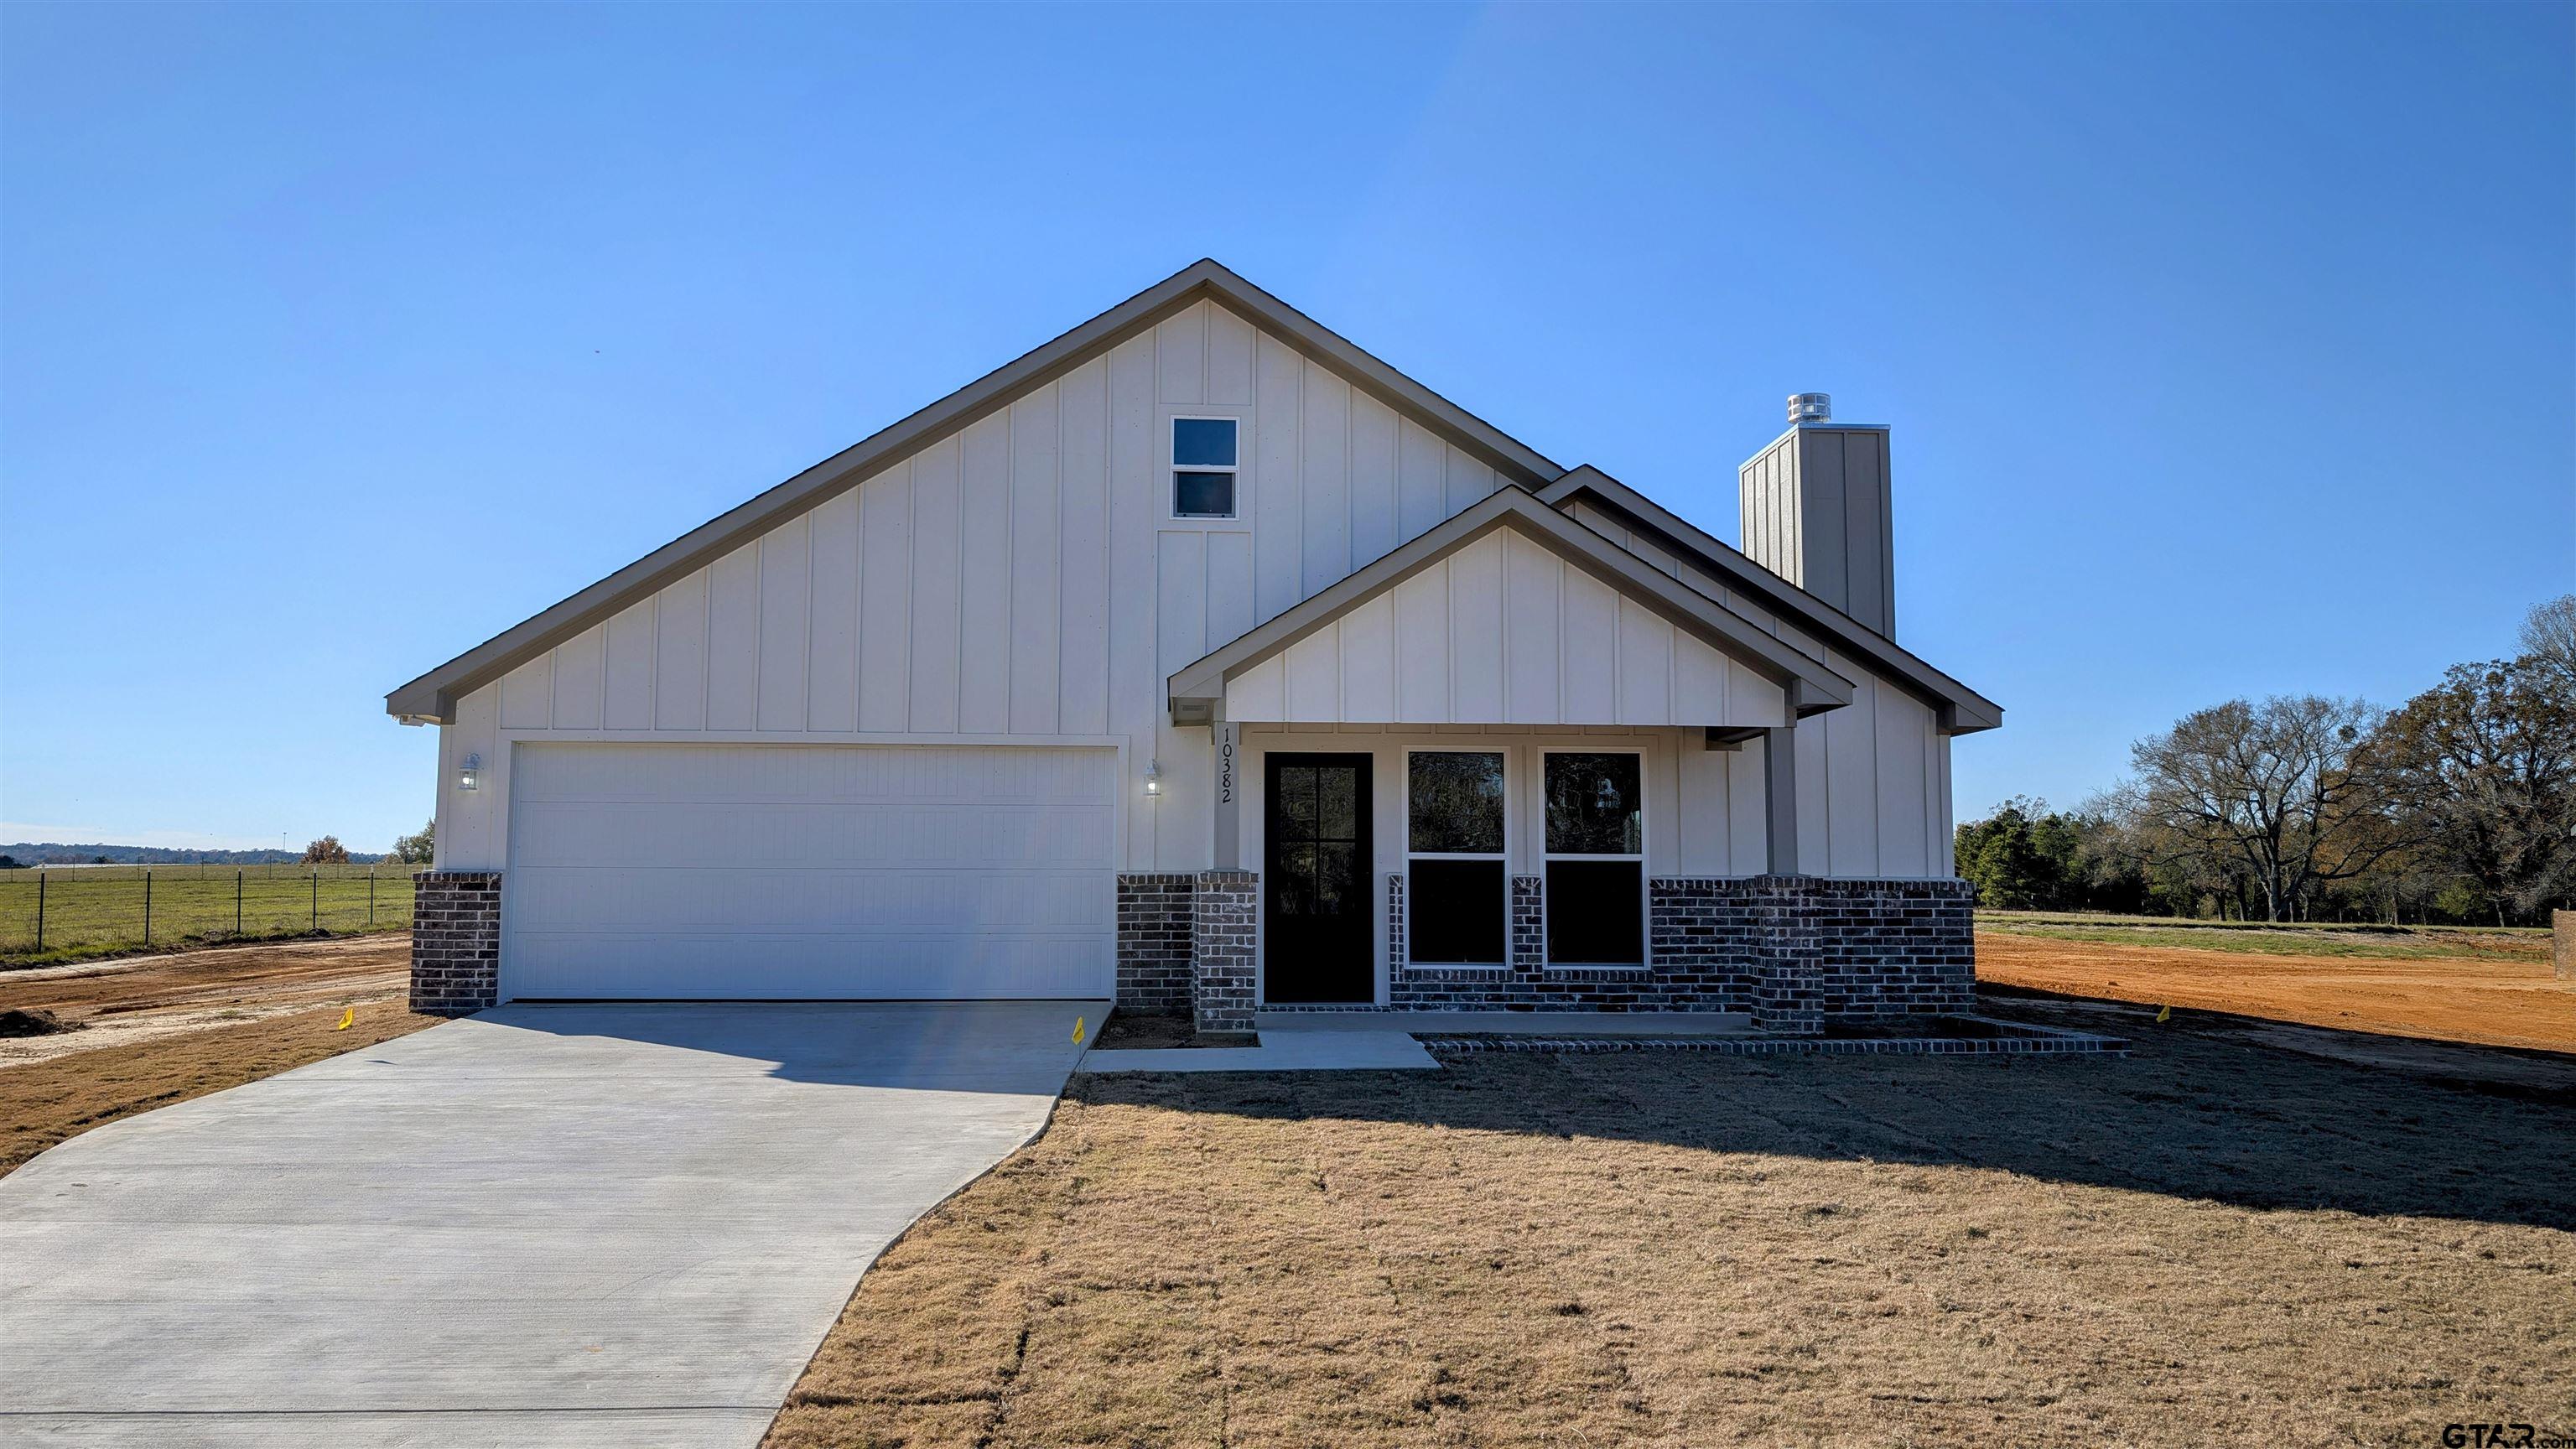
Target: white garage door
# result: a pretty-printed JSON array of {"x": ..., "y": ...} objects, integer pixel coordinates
[{"x": 864, "y": 871}]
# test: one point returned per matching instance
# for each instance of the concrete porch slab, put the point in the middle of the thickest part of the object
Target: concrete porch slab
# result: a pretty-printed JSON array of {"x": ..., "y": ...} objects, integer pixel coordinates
[{"x": 1294, "y": 1047}]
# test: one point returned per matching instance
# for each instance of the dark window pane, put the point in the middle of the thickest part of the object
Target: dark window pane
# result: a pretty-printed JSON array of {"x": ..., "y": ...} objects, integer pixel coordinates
[
  {"x": 1337, "y": 803},
  {"x": 1454, "y": 913},
  {"x": 1592, "y": 805},
  {"x": 1595, "y": 913},
  {"x": 1296, "y": 803},
  {"x": 1292, "y": 886},
  {"x": 1336, "y": 878},
  {"x": 1456, "y": 801},
  {"x": 1203, "y": 443},
  {"x": 1203, "y": 495}
]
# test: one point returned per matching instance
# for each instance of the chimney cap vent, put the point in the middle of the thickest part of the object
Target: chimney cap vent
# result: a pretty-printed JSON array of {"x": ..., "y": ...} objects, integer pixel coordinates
[{"x": 1811, "y": 407}]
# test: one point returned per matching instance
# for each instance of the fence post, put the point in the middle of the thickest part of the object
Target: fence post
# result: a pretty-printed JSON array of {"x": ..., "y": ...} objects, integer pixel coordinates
[
  {"x": 147, "y": 908},
  {"x": 40, "y": 910},
  {"x": 316, "y": 923},
  {"x": 371, "y": 897},
  {"x": 237, "y": 880}
]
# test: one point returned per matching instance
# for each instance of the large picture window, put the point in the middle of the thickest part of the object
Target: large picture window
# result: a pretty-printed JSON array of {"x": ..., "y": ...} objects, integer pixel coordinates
[
  {"x": 1455, "y": 912},
  {"x": 1596, "y": 859}
]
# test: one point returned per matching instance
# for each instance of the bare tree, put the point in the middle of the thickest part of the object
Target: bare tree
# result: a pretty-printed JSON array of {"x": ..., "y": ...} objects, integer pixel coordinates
[
  {"x": 2549, "y": 635},
  {"x": 2282, "y": 789}
]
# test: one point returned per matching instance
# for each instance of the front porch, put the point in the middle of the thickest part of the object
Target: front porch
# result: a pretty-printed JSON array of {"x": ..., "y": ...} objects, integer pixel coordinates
[
  {"x": 1510, "y": 768},
  {"x": 1781, "y": 955}
]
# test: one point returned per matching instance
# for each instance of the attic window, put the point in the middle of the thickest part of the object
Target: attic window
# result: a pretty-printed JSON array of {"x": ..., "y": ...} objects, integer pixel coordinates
[{"x": 1204, "y": 465}]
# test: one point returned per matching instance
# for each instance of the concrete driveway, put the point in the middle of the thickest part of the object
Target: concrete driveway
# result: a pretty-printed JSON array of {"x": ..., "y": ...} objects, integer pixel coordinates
[{"x": 580, "y": 1225}]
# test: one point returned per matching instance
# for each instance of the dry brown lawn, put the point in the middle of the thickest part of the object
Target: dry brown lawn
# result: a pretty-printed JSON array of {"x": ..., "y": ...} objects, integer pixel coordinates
[
  {"x": 45, "y": 1102},
  {"x": 2501, "y": 996},
  {"x": 2208, "y": 1243}
]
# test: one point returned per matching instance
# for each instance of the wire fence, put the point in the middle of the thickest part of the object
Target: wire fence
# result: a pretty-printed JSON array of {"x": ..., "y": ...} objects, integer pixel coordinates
[{"x": 55, "y": 912}]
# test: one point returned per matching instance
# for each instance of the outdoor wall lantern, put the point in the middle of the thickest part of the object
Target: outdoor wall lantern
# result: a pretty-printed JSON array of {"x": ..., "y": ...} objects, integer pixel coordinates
[
  {"x": 470, "y": 774},
  {"x": 1153, "y": 777}
]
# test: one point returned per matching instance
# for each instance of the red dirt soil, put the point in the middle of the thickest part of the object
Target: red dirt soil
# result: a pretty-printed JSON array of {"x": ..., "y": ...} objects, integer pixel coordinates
[
  {"x": 235, "y": 975},
  {"x": 2489, "y": 1002},
  {"x": 137, "y": 998}
]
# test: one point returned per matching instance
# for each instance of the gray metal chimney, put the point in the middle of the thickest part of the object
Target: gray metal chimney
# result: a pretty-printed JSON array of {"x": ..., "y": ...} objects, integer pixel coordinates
[{"x": 1815, "y": 511}]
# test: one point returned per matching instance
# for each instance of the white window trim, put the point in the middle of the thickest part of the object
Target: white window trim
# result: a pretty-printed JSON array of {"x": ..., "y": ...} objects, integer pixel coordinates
[
  {"x": 1500, "y": 857},
  {"x": 1547, "y": 896},
  {"x": 1173, "y": 468}
]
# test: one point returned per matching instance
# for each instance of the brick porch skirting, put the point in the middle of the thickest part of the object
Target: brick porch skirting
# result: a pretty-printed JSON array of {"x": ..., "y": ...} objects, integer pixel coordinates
[
  {"x": 1792, "y": 951},
  {"x": 455, "y": 941}
]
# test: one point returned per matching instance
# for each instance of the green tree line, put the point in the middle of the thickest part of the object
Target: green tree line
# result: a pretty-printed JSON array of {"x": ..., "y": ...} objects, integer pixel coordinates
[{"x": 2458, "y": 806}]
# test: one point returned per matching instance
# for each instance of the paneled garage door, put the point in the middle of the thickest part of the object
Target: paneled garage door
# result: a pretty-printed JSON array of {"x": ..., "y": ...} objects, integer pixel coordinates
[{"x": 862, "y": 871}]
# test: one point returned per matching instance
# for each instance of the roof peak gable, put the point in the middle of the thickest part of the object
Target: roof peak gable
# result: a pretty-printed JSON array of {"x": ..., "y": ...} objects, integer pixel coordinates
[
  {"x": 433, "y": 695},
  {"x": 1195, "y": 691}
]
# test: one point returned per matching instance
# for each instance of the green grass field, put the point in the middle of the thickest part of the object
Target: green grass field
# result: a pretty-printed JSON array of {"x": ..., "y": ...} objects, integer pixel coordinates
[
  {"x": 2288, "y": 938},
  {"x": 100, "y": 910}
]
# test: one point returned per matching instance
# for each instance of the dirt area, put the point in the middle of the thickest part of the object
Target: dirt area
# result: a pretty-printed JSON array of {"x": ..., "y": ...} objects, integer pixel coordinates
[
  {"x": 141, "y": 998},
  {"x": 2494, "y": 999},
  {"x": 2205, "y": 1243},
  {"x": 1148, "y": 1031},
  {"x": 2284, "y": 938},
  {"x": 45, "y": 1102},
  {"x": 147, "y": 1031}
]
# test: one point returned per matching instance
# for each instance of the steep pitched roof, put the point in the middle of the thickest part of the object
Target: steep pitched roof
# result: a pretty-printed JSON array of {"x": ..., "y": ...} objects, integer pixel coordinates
[
  {"x": 1962, "y": 710},
  {"x": 433, "y": 695},
  {"x": 1197, "y": 688}
]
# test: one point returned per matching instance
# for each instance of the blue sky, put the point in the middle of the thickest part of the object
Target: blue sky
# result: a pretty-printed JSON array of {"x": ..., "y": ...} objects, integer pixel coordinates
[{"x": 2229, "y": 349}]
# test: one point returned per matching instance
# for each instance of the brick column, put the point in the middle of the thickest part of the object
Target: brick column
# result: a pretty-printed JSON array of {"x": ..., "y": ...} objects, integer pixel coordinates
[
  {"x": 455, "y": 941},
  {"x": 1221, "y": 918},
  {"x": 1528, "y": 945},
  {"x": 2562, "y": 946},
  {"x": 1154, "y": 931},
  {"x": 1788, "y": 972}
]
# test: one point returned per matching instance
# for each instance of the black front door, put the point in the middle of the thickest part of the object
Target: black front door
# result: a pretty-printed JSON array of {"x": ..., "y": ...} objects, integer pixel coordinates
[{"x": 1317, "y": 942}]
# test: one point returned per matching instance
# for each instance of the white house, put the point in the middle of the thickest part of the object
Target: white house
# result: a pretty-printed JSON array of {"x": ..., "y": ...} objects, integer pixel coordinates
[{"x": 1200, "y": 658}]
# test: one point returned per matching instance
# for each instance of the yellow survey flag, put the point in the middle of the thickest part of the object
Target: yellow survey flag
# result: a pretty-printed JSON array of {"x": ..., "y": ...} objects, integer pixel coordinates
[
  {"x": 346, "y": 1017},
  {"x": 2165, "y": 1015},
  {"x": 1077, "y": 1030}
]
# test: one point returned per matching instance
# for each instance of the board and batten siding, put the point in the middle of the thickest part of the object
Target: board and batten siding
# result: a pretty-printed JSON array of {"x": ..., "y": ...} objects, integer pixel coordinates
[
  {"x": 1503, "y": 631},
  {"x": 1875, "y": 801},
  {"x": 1021, "y": 579}
]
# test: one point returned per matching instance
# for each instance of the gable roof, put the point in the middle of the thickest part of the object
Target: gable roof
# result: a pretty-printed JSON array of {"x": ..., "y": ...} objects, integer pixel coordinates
[
  {"x": 433, "y": 695},
  {"x": 1962, "y": 710},
  {"x": 1197, "y": 689}
]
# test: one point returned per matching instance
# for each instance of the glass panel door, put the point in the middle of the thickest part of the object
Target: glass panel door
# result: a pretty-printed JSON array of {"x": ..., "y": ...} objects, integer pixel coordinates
[{"x": 1317, "y": 939}]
